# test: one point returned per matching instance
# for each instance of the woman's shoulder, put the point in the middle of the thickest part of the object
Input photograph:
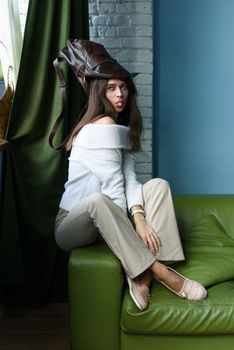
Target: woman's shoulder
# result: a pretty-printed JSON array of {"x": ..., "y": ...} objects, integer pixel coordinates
[
  {"x": 103, "y": 133},
  {"x": 106, "y": 120}
]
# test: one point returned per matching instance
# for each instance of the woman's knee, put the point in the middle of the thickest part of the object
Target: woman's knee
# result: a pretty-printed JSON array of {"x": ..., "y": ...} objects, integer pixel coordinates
[{"x": 157, "y": 183}]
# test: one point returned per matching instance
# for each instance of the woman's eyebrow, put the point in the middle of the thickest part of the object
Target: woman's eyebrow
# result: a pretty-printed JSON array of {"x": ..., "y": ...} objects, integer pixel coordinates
[{"x": 113, "y": 84}]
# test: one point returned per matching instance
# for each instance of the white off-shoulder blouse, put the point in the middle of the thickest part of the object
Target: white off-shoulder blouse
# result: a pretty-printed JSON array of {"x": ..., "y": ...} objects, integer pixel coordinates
[{"x": 100, "y": 161}]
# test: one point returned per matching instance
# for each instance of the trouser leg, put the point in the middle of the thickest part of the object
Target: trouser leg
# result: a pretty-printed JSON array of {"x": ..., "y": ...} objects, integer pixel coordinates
[
  {"x": 113, "y": 224},
  {"x": 160, "y": 215},
  {"x": 75, "y": 230}
]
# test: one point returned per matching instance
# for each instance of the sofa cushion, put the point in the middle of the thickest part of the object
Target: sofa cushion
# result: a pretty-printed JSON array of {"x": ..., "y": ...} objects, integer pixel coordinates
[
  {"x": 209, "y": 255},
  {"x": 209, "y": 252},
  {"x": 168, "y": 314}
]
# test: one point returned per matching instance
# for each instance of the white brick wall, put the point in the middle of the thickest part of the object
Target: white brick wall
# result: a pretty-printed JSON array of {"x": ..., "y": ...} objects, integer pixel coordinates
[{"x": 124, "y": 27}]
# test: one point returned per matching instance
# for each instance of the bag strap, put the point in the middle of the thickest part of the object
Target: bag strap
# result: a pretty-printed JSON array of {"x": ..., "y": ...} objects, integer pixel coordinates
[{"x": 64, "y": 111}]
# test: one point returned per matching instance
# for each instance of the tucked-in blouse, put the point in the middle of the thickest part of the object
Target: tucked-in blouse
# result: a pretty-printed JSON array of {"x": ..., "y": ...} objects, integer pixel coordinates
[{"x": 100, "y": 161}]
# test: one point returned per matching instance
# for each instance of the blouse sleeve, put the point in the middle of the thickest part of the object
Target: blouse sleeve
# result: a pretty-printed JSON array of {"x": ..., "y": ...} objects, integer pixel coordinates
[{"x": 133, "y": 189}]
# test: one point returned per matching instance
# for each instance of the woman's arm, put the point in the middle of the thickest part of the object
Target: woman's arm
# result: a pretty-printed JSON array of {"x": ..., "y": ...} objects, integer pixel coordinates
[{"x": 133, "y": 190}]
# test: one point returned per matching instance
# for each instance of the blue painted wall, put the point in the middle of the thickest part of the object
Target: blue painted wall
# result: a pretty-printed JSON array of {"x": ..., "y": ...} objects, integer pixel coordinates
[{"x": 194, "y": 95}]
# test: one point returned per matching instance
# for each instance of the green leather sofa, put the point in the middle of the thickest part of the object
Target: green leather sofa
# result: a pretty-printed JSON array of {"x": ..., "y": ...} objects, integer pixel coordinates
[{"x": 104, "y": 317}]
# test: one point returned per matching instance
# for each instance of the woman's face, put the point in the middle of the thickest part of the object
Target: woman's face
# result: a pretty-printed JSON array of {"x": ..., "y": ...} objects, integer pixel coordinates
[{"x": 117, "y": 94}]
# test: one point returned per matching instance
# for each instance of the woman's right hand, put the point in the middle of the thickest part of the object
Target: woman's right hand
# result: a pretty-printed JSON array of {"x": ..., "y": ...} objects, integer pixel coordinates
[{"x": 147, "y": 234}]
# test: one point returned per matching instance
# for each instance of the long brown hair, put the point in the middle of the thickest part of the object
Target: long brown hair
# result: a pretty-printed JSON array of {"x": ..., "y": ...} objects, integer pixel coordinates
[{"x": 98, "y": 106}]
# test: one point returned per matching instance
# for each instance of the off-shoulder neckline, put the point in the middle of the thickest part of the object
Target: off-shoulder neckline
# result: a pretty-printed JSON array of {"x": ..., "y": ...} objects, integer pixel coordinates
[{"x": 105, "y": 125}]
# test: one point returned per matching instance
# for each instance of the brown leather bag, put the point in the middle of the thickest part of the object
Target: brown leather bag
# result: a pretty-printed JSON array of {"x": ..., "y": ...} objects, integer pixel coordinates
[{"x": 88, "y": 60}]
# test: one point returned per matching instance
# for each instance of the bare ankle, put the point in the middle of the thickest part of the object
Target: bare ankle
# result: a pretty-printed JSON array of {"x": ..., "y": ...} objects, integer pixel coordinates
[
  {"x": 162, "y": 273},
  {"x": 144, "y": 278},
  {"x": 158, "y": 269}
]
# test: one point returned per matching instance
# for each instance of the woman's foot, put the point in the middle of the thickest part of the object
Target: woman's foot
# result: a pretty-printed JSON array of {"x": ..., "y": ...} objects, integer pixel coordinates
[
  {"x": 178, "y": 284},
  {"x": 139, "y": 289}
]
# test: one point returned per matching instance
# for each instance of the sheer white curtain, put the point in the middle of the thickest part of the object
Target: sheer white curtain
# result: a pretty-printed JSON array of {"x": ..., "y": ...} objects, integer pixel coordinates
[{"x": 10, "y": 37}]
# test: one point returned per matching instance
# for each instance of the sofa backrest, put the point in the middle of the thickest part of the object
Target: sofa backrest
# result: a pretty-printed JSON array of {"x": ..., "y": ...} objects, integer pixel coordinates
[{"x": 192, "y": 208}]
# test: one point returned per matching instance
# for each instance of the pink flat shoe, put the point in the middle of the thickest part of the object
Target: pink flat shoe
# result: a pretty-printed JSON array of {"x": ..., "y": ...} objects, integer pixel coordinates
[
  {"x": 190, "y": 290},
  {"x": 139, "y": 293}
]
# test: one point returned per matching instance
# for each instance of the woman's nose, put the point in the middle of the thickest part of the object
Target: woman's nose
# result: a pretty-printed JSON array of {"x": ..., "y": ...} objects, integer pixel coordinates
[{"x": 119, "y": 92}]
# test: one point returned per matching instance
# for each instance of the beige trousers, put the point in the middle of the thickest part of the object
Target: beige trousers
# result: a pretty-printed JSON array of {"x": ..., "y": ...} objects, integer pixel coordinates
[{"x": 98, "y": 215}]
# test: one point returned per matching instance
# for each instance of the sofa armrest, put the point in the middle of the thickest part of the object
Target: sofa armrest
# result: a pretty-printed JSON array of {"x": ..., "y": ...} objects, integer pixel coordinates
[{"x": 95, "y": 293}]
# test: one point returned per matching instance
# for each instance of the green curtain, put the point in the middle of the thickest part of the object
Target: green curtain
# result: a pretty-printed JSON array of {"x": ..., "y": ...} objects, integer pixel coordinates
[{"x": 34, "y": 173}]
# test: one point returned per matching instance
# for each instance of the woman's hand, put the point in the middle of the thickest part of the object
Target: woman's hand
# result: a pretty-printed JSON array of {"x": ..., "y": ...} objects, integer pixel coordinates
[{"x": 146, "y": 233}]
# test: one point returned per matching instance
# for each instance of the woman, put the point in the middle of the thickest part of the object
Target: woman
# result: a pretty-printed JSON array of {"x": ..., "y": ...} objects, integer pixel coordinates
[{"x": 102, "y": 197}]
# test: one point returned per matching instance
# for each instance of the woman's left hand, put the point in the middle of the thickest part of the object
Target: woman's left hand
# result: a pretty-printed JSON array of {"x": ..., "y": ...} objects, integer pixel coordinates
[{"x": 146, "y": 233}]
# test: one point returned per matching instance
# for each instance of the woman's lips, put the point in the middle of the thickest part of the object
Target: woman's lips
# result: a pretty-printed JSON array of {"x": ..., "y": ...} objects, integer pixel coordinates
[{"x": 119, "y": 104}]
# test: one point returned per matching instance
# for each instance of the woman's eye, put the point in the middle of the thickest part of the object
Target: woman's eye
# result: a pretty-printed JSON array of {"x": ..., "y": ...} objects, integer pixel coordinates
[
  {"x": 125, "y": 87},
  {"x": 112, "y": 88}
]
